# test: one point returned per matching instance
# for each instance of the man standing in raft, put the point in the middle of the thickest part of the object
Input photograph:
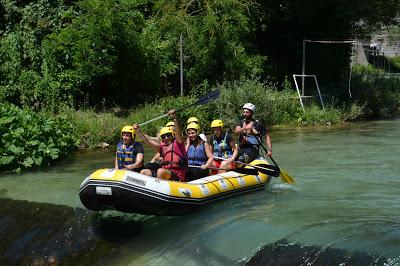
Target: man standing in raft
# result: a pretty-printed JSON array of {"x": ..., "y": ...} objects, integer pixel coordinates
[
  {"x": 129, "y": 152},
  {"x": 171, "y": 149},
  {"x": 251, "y": 132}
]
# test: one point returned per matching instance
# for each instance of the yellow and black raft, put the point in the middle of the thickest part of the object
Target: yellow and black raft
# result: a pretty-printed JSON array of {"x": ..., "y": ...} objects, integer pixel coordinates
[{"x": 132, "y": 192}]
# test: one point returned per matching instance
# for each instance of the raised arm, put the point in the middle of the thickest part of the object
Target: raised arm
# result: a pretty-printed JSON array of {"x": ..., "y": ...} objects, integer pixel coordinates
[
  {"x": 178, "y": 129},
  {"x": 153, "y": 144}
]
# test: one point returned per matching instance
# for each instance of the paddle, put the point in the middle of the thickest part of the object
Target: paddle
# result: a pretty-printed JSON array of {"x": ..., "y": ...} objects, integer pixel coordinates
[
  {"x": 209, "y": 96},
  {"x": 285, "y": 177},
  {"x": 245, "y": 171},
  {"x": 270, "y": 170}
]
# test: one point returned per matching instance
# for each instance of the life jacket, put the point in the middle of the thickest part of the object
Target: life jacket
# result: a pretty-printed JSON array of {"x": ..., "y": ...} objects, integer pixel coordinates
[
  {"x": 197, "y": 154},
  {"x": 126, "y": 155},
  {"x": 250, "y": 139},
  {"x": 174, "y": 156},
  {"x": 222, "y": 148}
]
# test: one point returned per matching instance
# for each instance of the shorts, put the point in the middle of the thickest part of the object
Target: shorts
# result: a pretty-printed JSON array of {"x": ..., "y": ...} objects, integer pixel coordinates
[
  {"x": 247, "y": 155},
  {"x": 153, "y": 167},
  {"x": 217, "y": 164},
  {"x": 196, "y": 173}
]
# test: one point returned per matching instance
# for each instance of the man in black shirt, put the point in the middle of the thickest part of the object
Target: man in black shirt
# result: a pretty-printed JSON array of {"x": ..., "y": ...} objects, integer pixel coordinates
[{"x": 251, "y": 132}]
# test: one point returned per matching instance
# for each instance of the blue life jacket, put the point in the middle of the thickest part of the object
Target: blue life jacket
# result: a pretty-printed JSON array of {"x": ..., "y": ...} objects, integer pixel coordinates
[
  {"x": 221, "y": 149},
  {"x": 197, "y": 155},
  {"x": 126, "y": 155}
]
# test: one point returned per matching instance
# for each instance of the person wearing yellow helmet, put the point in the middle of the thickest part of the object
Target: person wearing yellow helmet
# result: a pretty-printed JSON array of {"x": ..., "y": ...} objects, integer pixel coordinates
[
  {"x": 196, "y": 120},
  {"x": 171, "y": 124},
  {"x": 222, "y": 146},
  {"x": 251, "y": 132},
  {"x": 129, "y": 153},
  {"x": 198, "y": 153},
  {"x": 171, "y": 149},
  {"x": 192, "y": 120},
  {"x": 157, "y": 160}
]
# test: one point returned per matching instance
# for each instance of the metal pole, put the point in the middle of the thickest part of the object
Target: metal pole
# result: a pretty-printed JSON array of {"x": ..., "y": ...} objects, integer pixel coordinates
[
  {"x": 303, "y": 72},
  {"x": 181, "y": 61}
]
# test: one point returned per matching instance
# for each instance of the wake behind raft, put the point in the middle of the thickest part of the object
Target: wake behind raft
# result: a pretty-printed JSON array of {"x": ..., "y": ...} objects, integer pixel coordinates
[{"x": 128, "y": 191}]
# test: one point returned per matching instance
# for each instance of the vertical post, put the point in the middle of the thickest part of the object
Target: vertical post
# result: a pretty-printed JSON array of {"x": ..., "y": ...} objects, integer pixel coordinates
[
  {"x": 181, "y": 61},
  {"x": 303, "y": 72}
]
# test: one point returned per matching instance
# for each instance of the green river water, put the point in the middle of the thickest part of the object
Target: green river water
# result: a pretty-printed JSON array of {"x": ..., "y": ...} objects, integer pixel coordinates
[{"x": 347, "y": 196}]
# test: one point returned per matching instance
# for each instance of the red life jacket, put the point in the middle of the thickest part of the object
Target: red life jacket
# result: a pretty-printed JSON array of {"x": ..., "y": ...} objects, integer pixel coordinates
[
  {"x": 175, "y": 159},
  {"x": 174, "y": 156}
]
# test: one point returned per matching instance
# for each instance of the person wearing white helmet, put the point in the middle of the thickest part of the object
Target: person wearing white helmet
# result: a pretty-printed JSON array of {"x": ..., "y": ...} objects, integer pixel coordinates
[{"x": 251, "y": 132}]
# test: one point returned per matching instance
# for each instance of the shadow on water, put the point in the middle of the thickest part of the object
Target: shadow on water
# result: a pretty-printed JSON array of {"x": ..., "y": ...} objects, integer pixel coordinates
[
  {"x": 43, "y": 234},
  {"x": 40, "y": 233},
  {"x": 284, "y": 253}
]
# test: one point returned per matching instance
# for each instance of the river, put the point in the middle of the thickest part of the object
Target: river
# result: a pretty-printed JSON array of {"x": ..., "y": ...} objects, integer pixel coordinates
[{"x": 347, "y": 196}]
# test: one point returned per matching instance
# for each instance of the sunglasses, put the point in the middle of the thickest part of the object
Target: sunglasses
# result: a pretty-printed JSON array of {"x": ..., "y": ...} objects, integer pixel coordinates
[{"x": 168, "y": 135}]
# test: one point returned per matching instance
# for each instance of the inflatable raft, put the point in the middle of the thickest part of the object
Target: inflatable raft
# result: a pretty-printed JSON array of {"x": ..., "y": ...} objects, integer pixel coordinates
[{"x": 132, "y": 192}]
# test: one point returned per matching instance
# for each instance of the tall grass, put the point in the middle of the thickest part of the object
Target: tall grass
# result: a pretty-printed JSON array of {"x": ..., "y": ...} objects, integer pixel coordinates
[{"x": 273, "y": 107}]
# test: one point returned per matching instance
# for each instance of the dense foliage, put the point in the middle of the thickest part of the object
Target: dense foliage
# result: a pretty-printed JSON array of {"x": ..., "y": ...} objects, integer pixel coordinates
[
  {"x": 30, "y": 139},
  {"x": 274, "y": 107},
  {"x": 378, "y": 95},
  {"x": 55, "y": 54}
]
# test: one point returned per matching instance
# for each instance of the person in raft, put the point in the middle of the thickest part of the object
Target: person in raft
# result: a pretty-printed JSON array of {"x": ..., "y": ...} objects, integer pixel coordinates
[
  {"x": 129, "y": 153},
  {"x": 157, "y": 161},
  {"x": 222, "y": 146},
  {"x": 251, "y": 132},
  {"x": 196, "y": 121},
  {"x": 171, "y": 149},
  {"x": 198, "y": 153}
]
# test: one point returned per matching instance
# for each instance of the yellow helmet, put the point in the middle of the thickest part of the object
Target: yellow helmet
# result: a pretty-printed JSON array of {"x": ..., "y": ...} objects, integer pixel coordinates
[
  {"x": 193, "y": 125},
  {"x": 128, "y": 129},
  {"x": 217, "y": 123},
  {"x": 192, "y": 120},
  {"x": 170, "y": 124},
  {"x": 166, "y": 130}
]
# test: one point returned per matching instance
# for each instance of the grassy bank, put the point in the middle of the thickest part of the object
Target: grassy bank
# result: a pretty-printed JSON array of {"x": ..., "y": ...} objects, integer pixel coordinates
[
  {"x": 32, "y": 139},
  {"x": 274, "y": 107}
]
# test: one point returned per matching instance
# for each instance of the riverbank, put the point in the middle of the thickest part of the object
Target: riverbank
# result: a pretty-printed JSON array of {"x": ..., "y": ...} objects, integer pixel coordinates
[{"x": 32, "y": 139}]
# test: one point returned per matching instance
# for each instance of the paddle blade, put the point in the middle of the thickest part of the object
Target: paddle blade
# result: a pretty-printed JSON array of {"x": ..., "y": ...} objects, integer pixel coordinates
[
  {"x": 212, "y": 95},
  {"x": 245, "y": 171},
  {"x": 286, "y": 178},
  {"x": 270, "y": 170}
]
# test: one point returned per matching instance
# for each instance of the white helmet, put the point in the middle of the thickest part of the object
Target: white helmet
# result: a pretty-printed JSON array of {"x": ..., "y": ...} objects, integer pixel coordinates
[{"x": 249, "y": 106}]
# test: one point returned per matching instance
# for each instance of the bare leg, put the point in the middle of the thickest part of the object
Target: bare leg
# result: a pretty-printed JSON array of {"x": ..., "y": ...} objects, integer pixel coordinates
[
  {"x": 146, "y": 172},
  {"x": 163, "y": 174},
  {"x": 224, "y": 165}
]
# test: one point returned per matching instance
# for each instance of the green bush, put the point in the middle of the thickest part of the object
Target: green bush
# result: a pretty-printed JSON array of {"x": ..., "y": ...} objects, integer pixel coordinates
[
  {"x": 273, "y": 106},
  {"x": 31, "y": 139},
  {"x": 378, "y": 94}
]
